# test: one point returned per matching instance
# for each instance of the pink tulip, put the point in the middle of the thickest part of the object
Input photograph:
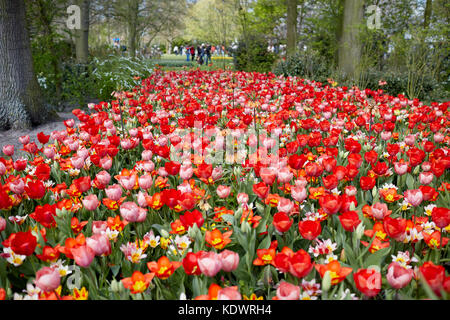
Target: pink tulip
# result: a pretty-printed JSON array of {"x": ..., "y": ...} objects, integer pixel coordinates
[
  {"x": 142, "y": 199},
  {"x": 106, "y": 162},
  {"x": 223, "y": 191},
  {"x": 209, "y": 263},
  {"x": 162, "y": 172},
  {"x": 17, "y": 186},
  {"x": 114, "y": 192},
  {"x": 426, "y": 166},
  {"x": 47, "y": 279},
  {"x": 186, "y": 172},
  {"x": 410, "y": 139},
  {"x": 129, "y": 211},
  {"x": 49, "y": 152},
  {"x": 103, "y": 177},
  {"x": 90, "y": 202},
  {"x": 148, "y": 166},
  {"x": 380, "y": 210},
  {"x": 98, "y": 227},
  {"x": 83, "y": 255},
  {"x": 398, "y": 276},
  {"x": 426, "y": 177},
  {"x": 438, "y": 137},
  {"x": 147, "y": 155},
  {"x": 142, "y": 215},
  {"x": 414, "y": 197},
  {"x": 77, "y": 162},
  {"x": 8, "y": 150},
  {"x": 2, "y": 224},
  {"x": 2, "y": 169},
  {"x": 386, "y": 135},
  {"x": 99, "y": 243},
  {"x": 242, "y": 198},
  {"x": 268, "y": 175},
  {"x": 400, "y": 168},
  {"x": 288, "y": 291},
  {"x": 284, "y": 175},
  {"x": 128, "y": 182},
  {"x": 229, "y": 259},
  {"x": 24, "y": 139},
  {"x": 285, "y": 205},
  {"x": 127, "y": 144},
  {"x": 350, "y": 191},
  {"x": 229, "y": 293},
  {"x": 298, "y": 193},
  {"x": 217, "y": 173},
  {"x": 145, "y": 181}
]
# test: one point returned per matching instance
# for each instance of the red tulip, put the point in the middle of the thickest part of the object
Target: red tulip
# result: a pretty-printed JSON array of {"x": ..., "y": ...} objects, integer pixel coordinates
[
  {"x": 367, "y": 183},
  {"x": 309, "y": 229},
  {"x": 441, "y": 217},
  {"x": 368, "y": 281},
  {"x": 190, "y": 264},
  {"x": 43, "y": 138},
  {"x": 45, "y": 215},
  {"x": 261, "y": 190},
  {"x": 330, "y": 182},
  {"x": 330, "y": 203},
  {"x": 281, "y": 222},
  {"x": 395, "y": 228},
  {"x": 300, "y": 264},
  {"x": 21, "y": 243},
  {"x": 349, "y": 220},
  {"x": 434, "y": 275},
  {"x": 188, "y": 219},
  {"x": 35, "y": 189}
]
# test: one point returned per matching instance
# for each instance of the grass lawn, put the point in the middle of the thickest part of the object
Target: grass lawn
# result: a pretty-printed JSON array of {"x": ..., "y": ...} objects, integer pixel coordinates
[{"x": 178, "y": 62}]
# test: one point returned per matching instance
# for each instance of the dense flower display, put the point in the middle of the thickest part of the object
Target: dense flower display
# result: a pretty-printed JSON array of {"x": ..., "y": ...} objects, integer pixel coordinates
[{"x": 231, "y": 185}]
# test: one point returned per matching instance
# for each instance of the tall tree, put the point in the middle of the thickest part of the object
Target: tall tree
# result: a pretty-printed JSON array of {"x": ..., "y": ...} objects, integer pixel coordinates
[
  {"x": 349, "y": 42},
  {"x": 21, "y": 101},
  {"x": 427, "y": 13},
  {"x": 292, "y": 14},
  {"x": 82, "y": 34}
]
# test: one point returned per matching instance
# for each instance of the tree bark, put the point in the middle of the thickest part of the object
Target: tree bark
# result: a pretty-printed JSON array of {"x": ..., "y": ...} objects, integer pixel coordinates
[
  {"x": 133, "y": 11},
  {"x": 349, "y": 43},
  {"x": 21, "y": 101},
  {"x": 427, "y": 13},
  {"x": 82, "y": 35},
  {"x": 291, "y": 37}
]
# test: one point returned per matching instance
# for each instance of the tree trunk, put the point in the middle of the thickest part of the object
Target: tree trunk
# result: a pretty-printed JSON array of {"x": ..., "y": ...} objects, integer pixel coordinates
[
  {"x": 21, "y": 101},
  {"x": 349, "y": 43},
  {"x": 427, "y": 13},
  {"x": 291, "y": 36},
  {"x": 133, "y": 11},
  {"x": 82, "y": 35}
]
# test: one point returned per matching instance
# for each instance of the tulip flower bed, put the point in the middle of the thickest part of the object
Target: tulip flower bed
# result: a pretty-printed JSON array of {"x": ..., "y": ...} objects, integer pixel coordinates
[{"x": 231, "y": 185}]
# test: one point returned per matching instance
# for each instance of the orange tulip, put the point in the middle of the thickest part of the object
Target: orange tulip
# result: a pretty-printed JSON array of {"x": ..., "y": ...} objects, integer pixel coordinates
[
  {"x": 138, "y": 282},
  {"x": 163, "y": 268},
  {"x": 218, "y": 240},
  {"x": 337, "y": 273}
]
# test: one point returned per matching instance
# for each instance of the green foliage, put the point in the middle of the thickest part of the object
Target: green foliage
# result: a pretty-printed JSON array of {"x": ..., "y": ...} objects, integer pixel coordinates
[
  {"x": 118, "y": 73},
  {"x": 252, "y": 55},
  {"x": 308, "y": 65}
]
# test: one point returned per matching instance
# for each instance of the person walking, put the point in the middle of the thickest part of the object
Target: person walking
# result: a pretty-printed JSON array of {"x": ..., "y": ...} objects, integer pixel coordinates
[
  {"x": 208, "y": 55},
  {"x": 188, "y": 53},
  {"x": 192, "y": 50}
]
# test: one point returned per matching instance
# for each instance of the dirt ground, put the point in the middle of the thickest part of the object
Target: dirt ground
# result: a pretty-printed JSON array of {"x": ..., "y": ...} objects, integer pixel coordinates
[{"x": 12, "y": 136}]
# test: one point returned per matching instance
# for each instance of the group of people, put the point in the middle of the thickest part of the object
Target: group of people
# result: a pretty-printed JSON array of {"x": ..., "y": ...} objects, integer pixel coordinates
[{"x": 201, "y": 54}]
